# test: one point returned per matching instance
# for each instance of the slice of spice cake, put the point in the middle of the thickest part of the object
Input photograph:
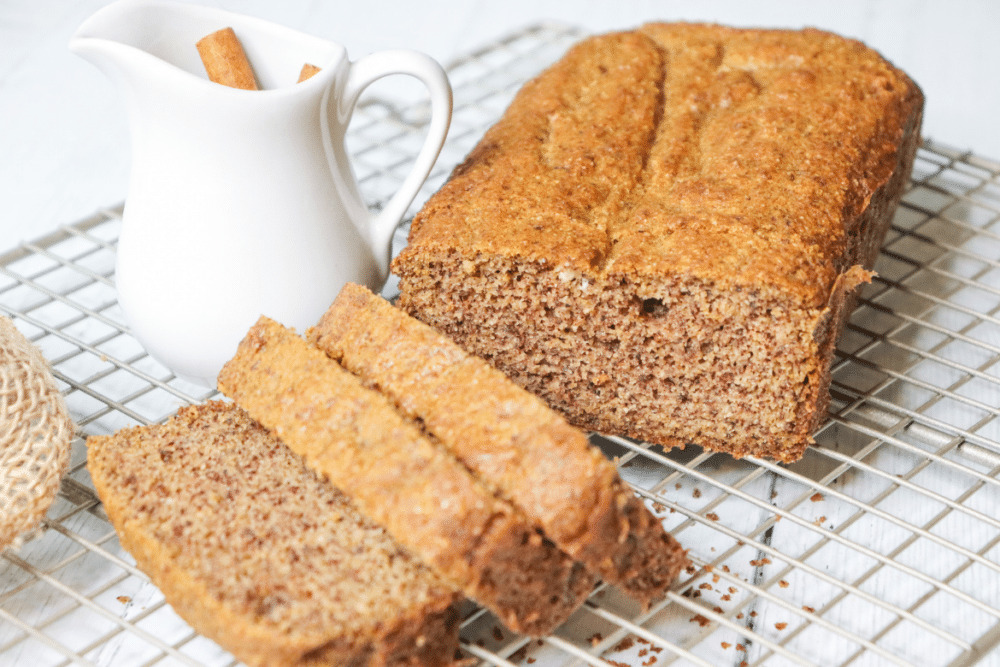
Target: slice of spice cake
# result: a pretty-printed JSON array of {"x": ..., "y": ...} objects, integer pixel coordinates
[
  {"x": 256, "y": 552},
  {"x": 425, "y": 498},
  {"x": 507, "y": 437}
]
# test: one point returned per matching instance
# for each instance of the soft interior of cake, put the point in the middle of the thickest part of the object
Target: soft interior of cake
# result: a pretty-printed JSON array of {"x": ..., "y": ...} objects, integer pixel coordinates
[
  {"x": 266, "y": 535},
  {"x": 672, "y": 362}
]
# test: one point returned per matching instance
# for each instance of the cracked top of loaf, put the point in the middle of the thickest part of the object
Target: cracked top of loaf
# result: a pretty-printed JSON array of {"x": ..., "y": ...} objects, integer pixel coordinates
[{"x": 741, "y": 158}]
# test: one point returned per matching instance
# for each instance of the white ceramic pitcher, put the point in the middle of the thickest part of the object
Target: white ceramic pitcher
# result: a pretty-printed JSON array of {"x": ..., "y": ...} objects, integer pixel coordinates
[{"x": 242, "y": 203}]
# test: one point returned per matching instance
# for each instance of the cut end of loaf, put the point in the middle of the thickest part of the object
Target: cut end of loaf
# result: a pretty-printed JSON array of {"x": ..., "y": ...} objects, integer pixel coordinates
[{"x": 673, "y": 361}]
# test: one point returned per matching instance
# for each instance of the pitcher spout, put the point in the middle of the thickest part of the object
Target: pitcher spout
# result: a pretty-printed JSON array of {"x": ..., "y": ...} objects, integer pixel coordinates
[
  {"x": 102, "y": 40},
  {"x": 125, "y": 40}
]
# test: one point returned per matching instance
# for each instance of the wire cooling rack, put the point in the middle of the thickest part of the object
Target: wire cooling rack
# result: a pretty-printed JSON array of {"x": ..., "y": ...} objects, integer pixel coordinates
[{"x": 882, "y": 546}]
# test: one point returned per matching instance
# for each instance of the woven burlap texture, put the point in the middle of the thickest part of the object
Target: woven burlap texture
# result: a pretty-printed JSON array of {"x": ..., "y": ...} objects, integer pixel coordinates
[{"x": 35, "y": 435}]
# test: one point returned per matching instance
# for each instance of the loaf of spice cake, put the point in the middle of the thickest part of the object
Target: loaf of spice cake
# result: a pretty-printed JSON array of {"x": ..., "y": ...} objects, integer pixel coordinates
[
  {"x": 256, "y": 552},
  {"x": 519, "y": 447},
  {"x": 663, "y": 235},
  {"x": 404, "y": 480}
]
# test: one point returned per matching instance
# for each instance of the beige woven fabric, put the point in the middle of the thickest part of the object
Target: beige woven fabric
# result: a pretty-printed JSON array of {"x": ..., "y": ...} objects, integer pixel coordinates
[{"x": 35, "y": 435}]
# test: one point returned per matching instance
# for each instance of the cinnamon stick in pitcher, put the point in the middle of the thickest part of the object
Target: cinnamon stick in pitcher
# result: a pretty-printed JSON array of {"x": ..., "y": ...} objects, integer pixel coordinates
[
  {"x": 225, "y": 61},
  {"x": 307, "y": 71}
]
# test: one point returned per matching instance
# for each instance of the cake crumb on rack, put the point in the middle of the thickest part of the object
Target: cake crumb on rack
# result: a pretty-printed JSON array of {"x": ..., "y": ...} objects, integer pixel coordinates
[
  {"x": 700, "y": 620},
  {"x": 624, "y": 644}
]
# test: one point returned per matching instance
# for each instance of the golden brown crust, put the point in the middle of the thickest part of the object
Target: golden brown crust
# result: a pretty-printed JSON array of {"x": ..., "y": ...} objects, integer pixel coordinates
[
  {"x": 696, "y": 259},
  {"x": 733, "y": 156},
  {"x": 509, "y": 438},
  {"x": 257, "y": 553},
  {"x": 548, "y": 179},
  {"x": 403, "y": 481}
]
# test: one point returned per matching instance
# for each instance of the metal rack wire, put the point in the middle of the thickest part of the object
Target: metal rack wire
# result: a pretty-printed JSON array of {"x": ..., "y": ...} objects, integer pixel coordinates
[{"x": 882, "y": 546}]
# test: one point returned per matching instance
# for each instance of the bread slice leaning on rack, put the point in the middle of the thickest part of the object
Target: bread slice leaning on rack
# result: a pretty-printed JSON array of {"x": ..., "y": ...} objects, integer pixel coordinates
[
  {"x": 507, "y": 437},
  {"x": 258, "y": 553},
  {"x": 404, "y": 480}
]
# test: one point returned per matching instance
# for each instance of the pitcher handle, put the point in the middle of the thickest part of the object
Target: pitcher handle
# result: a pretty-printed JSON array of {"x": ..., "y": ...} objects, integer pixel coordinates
[{"x": 363, "y": 73}]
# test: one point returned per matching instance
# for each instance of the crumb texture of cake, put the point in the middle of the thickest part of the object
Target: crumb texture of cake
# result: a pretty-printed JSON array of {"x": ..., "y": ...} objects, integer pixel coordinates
[
  {"x": 510, "y": 439},
  {"x": 404, "y": 480},
  {"x": 258, "y": 553},
  {"x": 663, "y": 235}
]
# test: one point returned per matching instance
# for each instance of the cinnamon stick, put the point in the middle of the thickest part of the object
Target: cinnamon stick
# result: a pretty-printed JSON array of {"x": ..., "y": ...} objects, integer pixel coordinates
[
  {"x": 225, "y": 61},
  {"x": 307, "y": 71}
]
